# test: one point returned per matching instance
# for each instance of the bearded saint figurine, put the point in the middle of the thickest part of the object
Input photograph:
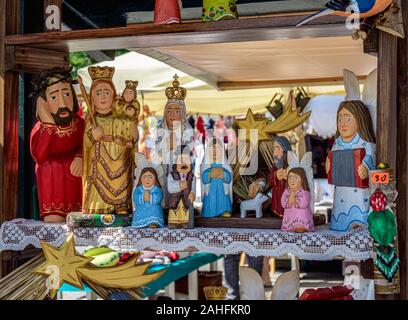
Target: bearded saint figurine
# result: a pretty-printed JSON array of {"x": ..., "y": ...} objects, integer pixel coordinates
[
  {"x": 278, "y": 173},
  {"x": 56, "y": 145},
  {"x": 109, "y": 145}
]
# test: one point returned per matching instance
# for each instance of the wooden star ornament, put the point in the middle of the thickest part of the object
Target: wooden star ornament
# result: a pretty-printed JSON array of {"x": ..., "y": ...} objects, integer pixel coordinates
[
  {"x": 250, "y": 122},
  {"x": 62, "y": 264}
]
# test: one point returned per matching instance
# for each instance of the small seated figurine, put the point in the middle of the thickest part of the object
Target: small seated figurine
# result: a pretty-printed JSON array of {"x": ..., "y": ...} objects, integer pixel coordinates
[
  {"x": 256, "y": 201},
  {"x": 147, "y": 198},
  {"x": 181, "y": 185},
  {"x": 127, "y": 104},
  {"x": 297, "y": 216},
  {"x": 216, "y": 179}
]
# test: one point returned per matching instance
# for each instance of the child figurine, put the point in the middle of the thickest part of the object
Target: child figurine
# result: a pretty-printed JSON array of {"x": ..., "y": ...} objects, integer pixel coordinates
[
  {"x": 297, "y": 216},
  {"x": 181, "y": 185},
  {"x": 147, "y": 198},
  {"x": 127, "y": 104},
  {"x": 216, "y": 179}
]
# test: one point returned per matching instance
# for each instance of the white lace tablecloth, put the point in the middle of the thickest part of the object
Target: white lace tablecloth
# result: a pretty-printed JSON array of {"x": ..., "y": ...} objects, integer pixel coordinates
[{"x": 320, "y": 245}]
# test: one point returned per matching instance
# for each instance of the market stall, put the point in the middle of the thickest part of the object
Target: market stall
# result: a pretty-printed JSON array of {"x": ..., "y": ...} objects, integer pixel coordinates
[{"x": 108, "y": 174}]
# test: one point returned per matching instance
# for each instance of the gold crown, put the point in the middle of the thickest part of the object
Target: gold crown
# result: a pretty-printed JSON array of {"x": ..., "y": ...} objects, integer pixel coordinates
[
  {"x": 176, "y": 92},
  {"x": 215, "y": 293},
  {"x": 130, "y": 84},
  {"x": 97, "y": 73}
]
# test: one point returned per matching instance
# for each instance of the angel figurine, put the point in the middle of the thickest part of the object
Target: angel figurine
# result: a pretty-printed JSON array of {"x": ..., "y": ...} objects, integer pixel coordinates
[
  {"x": 216, "y": 180},
  {"x": 298, "y": 197},
  {"x": 353, "y": 155},
  {"x": 147, "y": 198}
]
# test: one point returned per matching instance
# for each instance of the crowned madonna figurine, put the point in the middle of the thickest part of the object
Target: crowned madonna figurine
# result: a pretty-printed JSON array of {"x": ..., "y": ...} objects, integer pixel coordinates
[{"x": 109, "y": 143}]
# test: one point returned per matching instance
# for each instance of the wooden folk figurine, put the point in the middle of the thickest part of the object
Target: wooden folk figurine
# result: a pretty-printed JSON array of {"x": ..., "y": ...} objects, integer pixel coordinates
[
  {"x": 278, "y": 172},
  {"x": 296, "y": 199},
  {"x": 147, "y": 198},
  {"x": 174, "y": 132},
  {"x": 348, "y": 165},
  {"x": 109, "y": 143},
  {"x": 56, "y": 145},
  {"x": 127, "y": 104},
  {"x": 216, "y": 180},
  {"x": 181, "y": 185}
]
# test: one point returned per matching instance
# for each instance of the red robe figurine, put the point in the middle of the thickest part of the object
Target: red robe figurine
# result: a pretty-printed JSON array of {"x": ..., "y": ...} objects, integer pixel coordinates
[
  {"x": 278, "y": 187},
  {"x": 278, "y": 173},
  {"x": 53, "y": 149},
  {"x": 56, "y": 146}
]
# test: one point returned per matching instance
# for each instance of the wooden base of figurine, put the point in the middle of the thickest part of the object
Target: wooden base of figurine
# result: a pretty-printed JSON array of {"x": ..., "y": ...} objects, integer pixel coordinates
[
  {"x": 54, "y": 219},
  {"x": 249, "y": 223},
  {"x": 80, "y": 220}
]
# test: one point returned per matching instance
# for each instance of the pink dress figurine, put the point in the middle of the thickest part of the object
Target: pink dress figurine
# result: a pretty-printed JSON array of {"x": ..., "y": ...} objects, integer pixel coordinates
[{"x": 295, "y": 200}]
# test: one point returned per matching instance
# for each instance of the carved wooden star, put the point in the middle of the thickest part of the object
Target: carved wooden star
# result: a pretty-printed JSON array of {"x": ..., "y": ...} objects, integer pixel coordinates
[
  {"x": 250, "y": 122},
  {"x": 62, "y": 264}
]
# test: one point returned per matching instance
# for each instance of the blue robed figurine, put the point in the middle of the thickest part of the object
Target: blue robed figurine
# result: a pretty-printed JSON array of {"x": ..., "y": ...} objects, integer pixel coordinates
[
  {"x": 216, "y": 181},
  {"x": 147, "y": 198}
]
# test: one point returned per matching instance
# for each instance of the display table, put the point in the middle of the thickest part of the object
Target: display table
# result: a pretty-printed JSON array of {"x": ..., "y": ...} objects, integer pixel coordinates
[{"x": 320, "y": 245}]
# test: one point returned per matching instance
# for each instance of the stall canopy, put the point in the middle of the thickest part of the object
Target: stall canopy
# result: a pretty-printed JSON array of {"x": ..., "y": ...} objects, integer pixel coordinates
[{"x": 229, "y": 78}]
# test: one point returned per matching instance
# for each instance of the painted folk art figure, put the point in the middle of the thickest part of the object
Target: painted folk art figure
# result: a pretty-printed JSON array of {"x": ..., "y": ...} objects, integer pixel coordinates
[
  {"x": 109, "y": 143},
  {"x": 167, "y": 11},
  {"x": 348, "y": 165},
  {"x": 214, "y": 10},
  {"x": 278, "y": 173},
  {"x": 127, "y": 104},
  {"x": 56, "y": 145},
  {"x": 174, "y": 132},
  {"x": 298, "y": 216},
  {"x": 257, "y": 198},
  {"x": 181, "y": 185},
  {"x": 216, "y": 180},
  {"x": 147, "y": 198}
]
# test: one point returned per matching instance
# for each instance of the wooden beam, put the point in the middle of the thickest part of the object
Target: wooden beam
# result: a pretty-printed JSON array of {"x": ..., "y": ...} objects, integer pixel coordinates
[
  {"x": 239, "y": 85},
  {"x": 32, "y": 60},
  {"x": 149, "y": 35},
  {"x": 9, "y": 24},
  {"x": 402, "y": 159}
]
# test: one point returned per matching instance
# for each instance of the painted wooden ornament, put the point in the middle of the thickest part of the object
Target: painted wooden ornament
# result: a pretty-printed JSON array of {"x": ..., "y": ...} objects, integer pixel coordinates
[
  {"x": 167, "y": 12},
  {"x": 214, "y": 10}
]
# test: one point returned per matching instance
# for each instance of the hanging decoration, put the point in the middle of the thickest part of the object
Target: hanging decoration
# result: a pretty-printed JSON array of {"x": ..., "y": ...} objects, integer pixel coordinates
[{"x": 383, "y": 229}]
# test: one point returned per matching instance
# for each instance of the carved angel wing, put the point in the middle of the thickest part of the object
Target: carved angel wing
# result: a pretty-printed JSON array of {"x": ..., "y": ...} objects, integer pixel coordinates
[
  {"x": 370, "y": 95},
  {"x": 351, "y": 85},
  {"x": 293, "y": 160}
]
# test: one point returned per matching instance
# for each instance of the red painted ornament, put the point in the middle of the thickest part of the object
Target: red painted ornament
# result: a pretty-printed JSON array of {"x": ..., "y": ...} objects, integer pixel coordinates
[
  {"x": 167, "y": 12},
  {"x": 378, "y": 201}
]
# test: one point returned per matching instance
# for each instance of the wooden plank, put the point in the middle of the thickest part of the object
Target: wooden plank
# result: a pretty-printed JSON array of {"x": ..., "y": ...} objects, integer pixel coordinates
[
  {"x": 238, "y": 85},
  {"x": 9, "y": 17},
  {"x": 387, "y": 99},
  {"x": 32, "y": 60},
  {"x": 52, "y": 14},
  {"x": 402, "y": 159},
  {"x": 149, "y": 35},
  {"x": 249, "y": 222}
]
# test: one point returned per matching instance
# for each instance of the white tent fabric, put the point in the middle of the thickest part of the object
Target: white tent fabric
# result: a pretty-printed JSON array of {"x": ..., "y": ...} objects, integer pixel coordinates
[
  {"x": 151, "y": 74},
  {"x": 324, "y": 112}
]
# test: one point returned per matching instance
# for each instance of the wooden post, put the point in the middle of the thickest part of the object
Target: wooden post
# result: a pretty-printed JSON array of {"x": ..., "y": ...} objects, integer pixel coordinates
[
  {"x": 52, "y": 15},
  {"x": 402, "y": 160},
  {"x": 9, "y": 24},
  {"x": 387, "y": 99}
]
